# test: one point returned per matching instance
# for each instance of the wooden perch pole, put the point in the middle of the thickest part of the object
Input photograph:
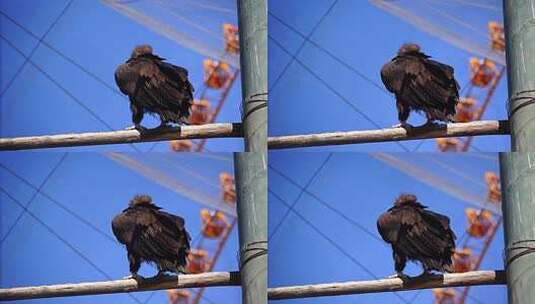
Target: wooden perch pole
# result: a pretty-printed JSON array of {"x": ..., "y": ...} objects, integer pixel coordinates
[
  {"x": 476, "y": 128},
  {"x": 488, "y": 277},
  {"x": 208, "y": 279},
  {"x": 218, "y": 130}
]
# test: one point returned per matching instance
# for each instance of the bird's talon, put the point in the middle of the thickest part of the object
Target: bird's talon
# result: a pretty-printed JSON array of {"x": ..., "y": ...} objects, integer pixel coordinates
[
  {"x": 136, "y": 127},
  {"x": 136, "y": 277},
  {"x": 403, "y": 125},
  {"x": 398, "y": 275}
]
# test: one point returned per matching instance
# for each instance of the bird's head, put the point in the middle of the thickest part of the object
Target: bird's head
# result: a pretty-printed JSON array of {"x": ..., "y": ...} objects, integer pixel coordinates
[
  {"x": 409, "y": 48},
  {"x": 141, "y": 200},
  {"x": 405, "y": 198},
  {"x": 140, "y": 50}
]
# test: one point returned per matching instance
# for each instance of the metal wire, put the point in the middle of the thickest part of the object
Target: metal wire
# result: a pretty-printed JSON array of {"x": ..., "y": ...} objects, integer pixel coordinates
[
  {"x": 65, "y": 57},
  {"x": 303, "y": 189},
  {"x": 60, "y": 205},
  {"x": 294, "y": 56},
  {"x": 522, "y": 95},
  {"x": 260, "y": 104},
  {"x": 32, "y": 198},
  {"x": 258, "y": 251},
  {"x": 328, "y": 206},
  {"x": 524, "y": 250},
  {"x": 330, "y": 54},
  {"x": 40, "y": 39}
]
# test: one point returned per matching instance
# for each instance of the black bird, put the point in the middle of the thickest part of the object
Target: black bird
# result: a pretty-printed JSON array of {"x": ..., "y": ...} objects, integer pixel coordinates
[
  {"x": 421, "y": 84},
  {"x": 417, "y": 234},
  {"x": 155, "y": 87},
  {"x": 152, "y": 236}
]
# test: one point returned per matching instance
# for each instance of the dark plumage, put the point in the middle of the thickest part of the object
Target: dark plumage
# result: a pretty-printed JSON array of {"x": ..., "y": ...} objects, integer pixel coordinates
[
  {"x": 151, "y": 235},
  {"x": 417, "y": 234},
  {"x": 421, "y": 84},
  {"x": 155, "y": 86}
]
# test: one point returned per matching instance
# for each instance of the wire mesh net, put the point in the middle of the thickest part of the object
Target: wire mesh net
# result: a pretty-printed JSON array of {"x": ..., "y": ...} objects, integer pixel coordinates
[
  {"x": 197, "y": 25},
  {"x": 182, "y": 174},
  {"x": 452, "y": 175},
  {"x": 463, "y": 23}
]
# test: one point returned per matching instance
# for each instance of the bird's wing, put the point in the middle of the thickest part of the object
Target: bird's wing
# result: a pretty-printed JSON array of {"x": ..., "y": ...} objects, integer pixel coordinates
[
  {"x": 177, "y": 76},
  {"x": 443, "y": 75},
  {"x": 397, "y": 221},
  {"x": 440, "y": 70},
  {"x": 388, "y": 225},
  {"x": 432, "y": 83},
  {"x": 176, "y": 226},
  {"x": 424, "y": 233},
  {"x": 442, "y": 223},
  {"x": 176, "y": 73},
  {"x": 152, "y": 233},
  {"x": 154, "y": 87},
  {"x": 403, "y": 77},
  {"x": 126, "y": 77},
  {"x": 152, "y": 84},
  {"x": 392, "y": 75},
  {"x": 415, "y": 83},
  {"x": 124, "y": 228}
]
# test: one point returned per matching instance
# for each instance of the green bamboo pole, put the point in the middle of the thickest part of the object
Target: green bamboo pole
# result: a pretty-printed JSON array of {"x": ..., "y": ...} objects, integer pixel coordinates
[
  {"x": 251, "y": 190},
  {"x": 518, "y": 205},
  {"x": 519, "y": 17},
  {"x": 252, "y": 21}
]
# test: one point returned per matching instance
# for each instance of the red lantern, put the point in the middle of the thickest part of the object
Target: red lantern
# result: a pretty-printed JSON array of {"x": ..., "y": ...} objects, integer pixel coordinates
[
  {"x": 232, "y": 42},
  {"x": 444, "y": 296},
  {"x": 479, "y": 222},
  {"x": 482, "y": 71},
  {"x": 213, "y": 224},
  {"x": 216, "y": 73},
  {"x": 497, "y": 36},
  {"x": 200, "y": 112},
  {"x": 181, "y": 145},
  {"x": 447, "y": 144},
  {"x": 463, "y": 260},
  {"x": 198, "y": 261},
  {"x": 466, "y": 110},
  {"x": 178, "y": 296},
  {"x": 494, "y": 189},
  {"x": 229, "y": 188}
]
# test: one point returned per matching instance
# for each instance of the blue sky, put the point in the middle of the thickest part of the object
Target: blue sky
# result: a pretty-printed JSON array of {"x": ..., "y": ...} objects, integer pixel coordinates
[
  {"x": 55, "y": 95},
  {"x": 349, "y": 95},
  {"x": 76, "y": 203},
  {"x": 332, "y": 234}
]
